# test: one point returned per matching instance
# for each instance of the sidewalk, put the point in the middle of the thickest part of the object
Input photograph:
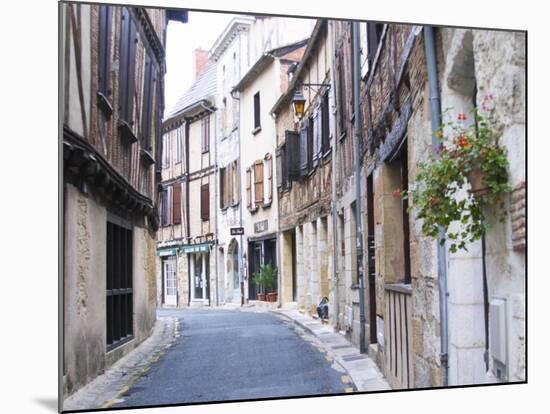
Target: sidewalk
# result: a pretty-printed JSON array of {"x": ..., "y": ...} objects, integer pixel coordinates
[
  {"x": 104, "y": 390},
  {"x": 362, "y": 370}
]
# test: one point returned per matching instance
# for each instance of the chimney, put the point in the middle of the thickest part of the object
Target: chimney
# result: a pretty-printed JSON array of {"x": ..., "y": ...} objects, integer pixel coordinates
[{"x": 200, "y": 60}]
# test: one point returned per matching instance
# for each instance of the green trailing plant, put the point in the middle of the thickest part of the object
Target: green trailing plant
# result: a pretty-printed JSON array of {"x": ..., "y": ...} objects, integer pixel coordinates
[
  {"x": 265, "y": 278},
  {"x": 464, "y": 152}
]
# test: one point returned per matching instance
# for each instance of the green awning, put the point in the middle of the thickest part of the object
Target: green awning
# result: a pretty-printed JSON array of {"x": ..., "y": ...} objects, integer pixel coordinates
[
  {"x": 167, "y": 252},
  {"x": 196, "y": 248}
]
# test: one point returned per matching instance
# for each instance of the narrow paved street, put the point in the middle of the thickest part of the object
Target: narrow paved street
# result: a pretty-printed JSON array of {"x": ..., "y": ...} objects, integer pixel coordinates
[{"x": 227, "y": 355}]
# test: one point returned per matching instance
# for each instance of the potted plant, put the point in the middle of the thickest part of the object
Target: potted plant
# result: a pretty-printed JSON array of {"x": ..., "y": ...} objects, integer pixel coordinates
[
  {"x": 265, "y": 279},
  {"x": 466, "y": 155}
]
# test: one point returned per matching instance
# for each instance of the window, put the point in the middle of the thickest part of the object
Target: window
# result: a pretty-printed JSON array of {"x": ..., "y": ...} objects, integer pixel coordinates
[
  {"x": 268, "y": 173},
  {"x": 249, "y": 188},
  {"x": 119, "y": 285},
  {"x": 374, "y": 34},
  {"x": 223, "y": 187},
  {"x": 179, "y": 145},
  {"x": 316, "y": 133},
  {"x": 235, "y": 185},
  {"x": 205, "y": 135},
  {"x": 341, "y": 92},
  {"x": 310, "y": 141},
  {"x": 165, "y": 207},
  {"x": 224, "y": 118},
  {"x": 147, "y": 111},
  {"x": 258, "y": 183},
  {"x": 166, "y": 150},
  {"x": 205, "y": 202},
  {"x": 128, "y": 41},
  {"x": 104, "y": 58},
  {"x": 292, "y": 150},
  {"x": 282, "y": 171},
  {"x": 257, "y": 123},
  {"x": 176, "y": 203},
  {"x": 403, "y": 164}
]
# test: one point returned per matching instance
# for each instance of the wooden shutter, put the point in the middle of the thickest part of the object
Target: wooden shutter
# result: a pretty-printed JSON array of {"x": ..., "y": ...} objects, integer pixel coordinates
[
  {"x": 341, "y": 95},
  {"x": 205, "y": 202},
  {"x": 128, "y": 40},
  {"x": 269, "y": 181},
  {"x": 303, "y": 152},
  {"x": 316, "y": 137},
  {"x": 258, "y": 182},
  {"x": 325, "y": 125},
  {"x": 310, "y": 144},
  {"x": 177, "y": 203},
  {"x": 282, "y": 172},
  {"x": 249, "y": 187},
  {"x": 146, "y": 114},
  {"x": 292, "y": 154},
  {"x": 104, "y": 49}
]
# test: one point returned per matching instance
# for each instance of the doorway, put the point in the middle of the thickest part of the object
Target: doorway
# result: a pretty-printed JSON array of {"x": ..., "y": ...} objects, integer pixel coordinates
[
  {"x": 170, "y": 282},
  {"x": 371, "y": 257},
  {"x": 199, "y": 270}
]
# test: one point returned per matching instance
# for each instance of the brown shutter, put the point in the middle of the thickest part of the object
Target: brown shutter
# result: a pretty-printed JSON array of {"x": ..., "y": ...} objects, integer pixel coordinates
[
  {"x": 259, "y": 182},
  {"x": 249, "y": 187},
  {"x": 128, "y": 40},
  {"x": 205, "y": 202},
  {"x": 177, "y": 203}
]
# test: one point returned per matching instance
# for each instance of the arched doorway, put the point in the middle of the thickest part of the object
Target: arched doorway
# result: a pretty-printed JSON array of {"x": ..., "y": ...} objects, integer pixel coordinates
[{"x": 233, "y": 270}]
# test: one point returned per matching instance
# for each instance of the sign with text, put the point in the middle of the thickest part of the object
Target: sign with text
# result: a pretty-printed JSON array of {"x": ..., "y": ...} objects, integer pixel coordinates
[
  {"x": 260, "y": 226},
  {"x": 236, "y": 231}
]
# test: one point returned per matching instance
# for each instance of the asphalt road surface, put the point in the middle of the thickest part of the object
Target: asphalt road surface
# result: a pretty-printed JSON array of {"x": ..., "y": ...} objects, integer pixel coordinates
[{"x": 230, "y": 355}]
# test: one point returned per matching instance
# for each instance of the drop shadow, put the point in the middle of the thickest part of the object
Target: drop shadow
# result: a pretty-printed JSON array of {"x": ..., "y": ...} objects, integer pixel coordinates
[{"x": 49, "y": 403}]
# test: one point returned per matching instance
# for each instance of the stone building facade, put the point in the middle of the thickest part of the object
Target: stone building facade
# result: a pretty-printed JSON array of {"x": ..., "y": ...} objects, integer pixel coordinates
[
  {"x": 112, "y": 94},
  {"x": 304, "y": 178},
  {"x": 186, "y": 265}
]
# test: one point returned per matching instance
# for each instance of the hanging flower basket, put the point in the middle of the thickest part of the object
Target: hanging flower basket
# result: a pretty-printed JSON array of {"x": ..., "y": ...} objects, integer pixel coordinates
[{"x": 466, "y": 154}]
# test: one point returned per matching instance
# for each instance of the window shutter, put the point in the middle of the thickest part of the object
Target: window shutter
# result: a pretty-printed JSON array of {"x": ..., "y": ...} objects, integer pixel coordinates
[
  {"x": 249, "y": 188},
  {"x": 205, "y": 202},
  {"x": 310, "y": 144},
  {"x": 325, "y": 139},
  {"x": 303, "y": 152},
  {"x": 128, "y": 40},
  {"x": 104, "y": 49},
  {"x": 341, "y": 96},
  {"x": 292, "y": 154},
  {"x": 280, "y": 160},
  {"x": 316, "y": 127},
  {"x": 372, "y": 42},
  {"x": 269, "y": 167},
  {"x": 258, "y": 182},
  {"x": 146, "y": 115},
  {"x": 177, "y": 203},
  {"x": 223, "y": 186}
]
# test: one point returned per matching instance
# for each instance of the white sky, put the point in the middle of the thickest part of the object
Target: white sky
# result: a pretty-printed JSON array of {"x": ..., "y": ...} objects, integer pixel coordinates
[{"x": 201, "y": 31}]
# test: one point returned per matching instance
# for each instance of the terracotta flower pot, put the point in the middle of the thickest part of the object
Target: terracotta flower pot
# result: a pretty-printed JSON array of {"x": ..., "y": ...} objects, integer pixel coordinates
[
  {"x": 475, "y": 177},
  {"x": 261, "y": 296},
  {"x": 272, "y": 297}
]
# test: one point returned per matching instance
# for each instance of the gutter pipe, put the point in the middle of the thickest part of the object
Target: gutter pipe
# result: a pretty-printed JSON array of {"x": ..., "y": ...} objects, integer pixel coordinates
[
  {"x": 358, "y": 223},
  {"x": 435, "y": 112}
]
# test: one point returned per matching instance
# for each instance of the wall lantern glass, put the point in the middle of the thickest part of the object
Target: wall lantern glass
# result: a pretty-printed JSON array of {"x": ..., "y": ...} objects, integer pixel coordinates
[{"x": 299, "y": 104}]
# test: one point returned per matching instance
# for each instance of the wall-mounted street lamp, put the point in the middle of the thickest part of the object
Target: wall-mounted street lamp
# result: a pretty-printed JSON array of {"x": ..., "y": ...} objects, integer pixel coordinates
[{"x": 299, "y": 101}]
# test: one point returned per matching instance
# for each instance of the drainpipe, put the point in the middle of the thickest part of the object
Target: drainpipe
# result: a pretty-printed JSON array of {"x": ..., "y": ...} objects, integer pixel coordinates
[
  {"x": 211, "y": 111},
  {"x": 334, "y": 213},
  {"x": 358, "y": 224},
  {"x": 435, "y": 112},
  {"x": 241, "y": 278}
]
